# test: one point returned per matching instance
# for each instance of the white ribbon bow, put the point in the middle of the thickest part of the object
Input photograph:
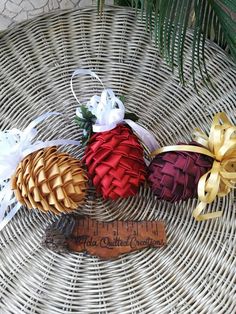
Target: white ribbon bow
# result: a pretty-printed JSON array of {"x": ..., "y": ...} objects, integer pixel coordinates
[
  {"x": 110, "y": 111},
  {"x": 14, "y": 146}
]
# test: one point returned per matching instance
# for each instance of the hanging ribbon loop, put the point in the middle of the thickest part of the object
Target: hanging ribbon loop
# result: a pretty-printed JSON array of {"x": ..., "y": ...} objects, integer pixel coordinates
[
  {"x": 14, "y": 146},
  {"x": 109, "y": 111},
  {"x": 221, "y": 178}
]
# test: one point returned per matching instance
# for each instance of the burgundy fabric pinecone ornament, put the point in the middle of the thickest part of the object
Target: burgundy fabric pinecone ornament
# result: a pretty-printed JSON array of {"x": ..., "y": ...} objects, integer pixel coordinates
[
  {"x": 115, "y": 163},
  {"x": 174, "y": 175}
]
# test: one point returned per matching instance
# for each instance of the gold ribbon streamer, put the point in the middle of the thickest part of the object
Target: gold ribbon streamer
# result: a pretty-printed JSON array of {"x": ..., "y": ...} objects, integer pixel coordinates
[{"x": 221, "y": 178}]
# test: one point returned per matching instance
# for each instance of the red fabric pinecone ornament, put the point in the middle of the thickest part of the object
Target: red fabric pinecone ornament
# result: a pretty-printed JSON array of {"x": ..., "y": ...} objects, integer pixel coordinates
[
  {"x": 174, "y": 175},
  {"x": 115, "y": 163}
]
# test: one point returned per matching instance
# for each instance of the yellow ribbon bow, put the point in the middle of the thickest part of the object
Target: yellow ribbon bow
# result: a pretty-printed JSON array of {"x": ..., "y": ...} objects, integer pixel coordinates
[{"x": 221, "y": 146}]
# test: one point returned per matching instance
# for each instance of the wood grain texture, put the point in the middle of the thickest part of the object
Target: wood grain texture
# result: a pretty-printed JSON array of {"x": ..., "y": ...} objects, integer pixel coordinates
[{"x": 103, "y": 239}]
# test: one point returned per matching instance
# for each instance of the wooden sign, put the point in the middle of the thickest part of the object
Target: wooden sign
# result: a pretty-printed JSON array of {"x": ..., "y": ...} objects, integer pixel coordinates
[{"x": 104, "y": 239}]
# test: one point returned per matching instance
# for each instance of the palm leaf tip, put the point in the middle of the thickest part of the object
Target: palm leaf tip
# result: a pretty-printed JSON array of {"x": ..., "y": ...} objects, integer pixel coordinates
[{"x": 168, "y": 21}]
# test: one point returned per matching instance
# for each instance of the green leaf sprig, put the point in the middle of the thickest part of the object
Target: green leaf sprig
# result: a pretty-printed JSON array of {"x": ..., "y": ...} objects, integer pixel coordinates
[
  {"x": 86, "y": 123},
  {"x": 88, "y": 119}
]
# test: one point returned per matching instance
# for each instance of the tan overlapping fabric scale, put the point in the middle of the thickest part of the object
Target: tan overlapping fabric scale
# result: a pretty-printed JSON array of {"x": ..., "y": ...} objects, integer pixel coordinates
[{"x": 50, "y": 181}]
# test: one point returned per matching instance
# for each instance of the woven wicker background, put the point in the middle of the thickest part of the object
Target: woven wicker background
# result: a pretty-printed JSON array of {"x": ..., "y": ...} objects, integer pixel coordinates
[{"x": 195, "y": 273}]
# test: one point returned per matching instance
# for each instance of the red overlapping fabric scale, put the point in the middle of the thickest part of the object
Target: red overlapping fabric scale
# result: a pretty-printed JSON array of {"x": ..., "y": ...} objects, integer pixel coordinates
[{"x": 115, "y": 163}]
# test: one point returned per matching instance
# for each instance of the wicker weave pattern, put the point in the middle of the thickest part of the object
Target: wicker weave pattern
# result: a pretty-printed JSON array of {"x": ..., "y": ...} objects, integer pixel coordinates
[{"x": 196, "y": 272}]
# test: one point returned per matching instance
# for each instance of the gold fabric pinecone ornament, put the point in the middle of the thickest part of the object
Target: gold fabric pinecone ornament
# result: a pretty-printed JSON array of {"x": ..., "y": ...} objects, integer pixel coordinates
[{"x": 50, "y": 181}]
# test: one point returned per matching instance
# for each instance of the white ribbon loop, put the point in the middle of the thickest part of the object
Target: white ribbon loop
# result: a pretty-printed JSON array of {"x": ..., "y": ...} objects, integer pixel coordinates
[
  {"x": 14, "y": 146},
  {"x": 110, "y": 111},
  {"x": 82, "y": 72}
]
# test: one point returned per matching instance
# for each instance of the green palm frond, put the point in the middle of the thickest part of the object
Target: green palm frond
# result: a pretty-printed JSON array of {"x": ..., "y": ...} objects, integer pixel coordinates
[{"x": 168, "y": 20}]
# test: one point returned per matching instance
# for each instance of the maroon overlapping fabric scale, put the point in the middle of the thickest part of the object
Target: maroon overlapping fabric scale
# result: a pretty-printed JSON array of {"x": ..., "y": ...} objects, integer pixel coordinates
[
  {"x": 174, "y": 176},
  {"x": 115, "y": 162}
]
